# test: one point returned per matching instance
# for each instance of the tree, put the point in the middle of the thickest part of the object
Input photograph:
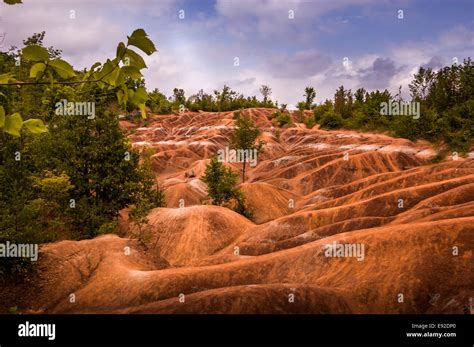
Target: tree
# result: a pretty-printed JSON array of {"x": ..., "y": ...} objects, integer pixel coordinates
[
  {"x": 421, "y": 83},
  {"x": 301, "y": 107},
  {"x": 81, "y": 158},
  {"x": 245, "y": 138},
  {"x": 178, "y": 97},
  {"x": 343, "y": 102},
  {"x": 149, "y": 196},
  {"x": 359, "y": 96},
  {"x": 266, "y": 91},
  {"x": 223, "y": 97},
  {"x": 309, "y": 94},
  {"x": 220, "y": 180},
  {"x": 222, "y": 187}
]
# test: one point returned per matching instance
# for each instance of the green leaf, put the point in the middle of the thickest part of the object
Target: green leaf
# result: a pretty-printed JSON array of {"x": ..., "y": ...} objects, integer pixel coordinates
[
  {"x": 35, "y": 126},
  {"x": 120, "y": 96},
  {"x": 115, "y": 78},
  {"x": 35, "y": 53},
  {"x": 124, "y": 95},
  {"x": 50, "y": 76},
  {"x": 140, "y": 40},
  {"x": 12, "y": 2},
  {"x": 138, "y": 33},
  {"x": 132, "y": 58},
  {"x": 63, "y": 68},
  {"x": 142, "y": 110},
  {"x": 140, "y": 96},
  {"x": 132, "y": 72},
  {"x": 36, "y": 69},
  {"x": 13, "y": 124},
  {"x": 106, "y": 70},
  {"x": 93, "y": 67},
  {"x": 6, "y": 77},
  {"x": 121, "y": 49},
  {"x": 2, "y": 117}
]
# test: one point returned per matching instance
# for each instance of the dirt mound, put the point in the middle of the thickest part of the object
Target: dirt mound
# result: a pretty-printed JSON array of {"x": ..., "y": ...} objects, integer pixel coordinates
[{"x": 184, "y": 235}]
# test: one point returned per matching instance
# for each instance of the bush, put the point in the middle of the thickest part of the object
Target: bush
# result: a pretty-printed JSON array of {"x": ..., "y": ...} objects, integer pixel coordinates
[
  {"x": 221, "y": 187},
  {"x": 282, "y": 118},
  {"x": 309, "y": 122},
  {"x": 331, "y": 120}
]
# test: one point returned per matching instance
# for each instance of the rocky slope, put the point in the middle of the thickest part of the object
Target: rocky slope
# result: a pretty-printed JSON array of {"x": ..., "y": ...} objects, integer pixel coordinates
[{"x": 311, "y": 188}]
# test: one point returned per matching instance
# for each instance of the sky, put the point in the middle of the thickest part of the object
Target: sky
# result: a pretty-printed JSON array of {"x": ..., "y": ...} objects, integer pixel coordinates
[{"x": 288, "y": 45}]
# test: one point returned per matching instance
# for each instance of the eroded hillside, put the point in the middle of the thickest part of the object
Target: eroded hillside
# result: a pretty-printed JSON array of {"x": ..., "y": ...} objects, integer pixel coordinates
[{"x": 309, "y": 189}]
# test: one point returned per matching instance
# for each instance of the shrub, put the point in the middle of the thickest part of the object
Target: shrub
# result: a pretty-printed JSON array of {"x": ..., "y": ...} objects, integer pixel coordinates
[
  {"x": 221, "y": 187},
  {"x": 331, "y": 120}
]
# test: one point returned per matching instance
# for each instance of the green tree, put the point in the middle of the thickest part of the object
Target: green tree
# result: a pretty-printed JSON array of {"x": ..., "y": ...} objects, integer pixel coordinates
[
  {"x": 343, "y": 102},
  {"x": 266, "y": 91},
  {"x": 245, "y": 138},
  {"x": 310, "y": 95},
  {"x": 221, "y": 182},
  {"x": 222, "y": 187}
]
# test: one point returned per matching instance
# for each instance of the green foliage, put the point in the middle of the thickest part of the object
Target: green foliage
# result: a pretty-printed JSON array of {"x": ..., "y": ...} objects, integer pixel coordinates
[
  {"x": 139, "y": 39},
  {"x": 301, "y": 107},
  {"x": 35, "y": 53},
  {"x": 62, "y": 68},
  {"x": 310, "y": 95},
  {"x": 68, "y": 179},
  {"x": 277, "y": 134},
  {"x": 266, "y": 91},
  {"x": 240, "y": 206},
  {"x": 158, "y": 102},
  {"x": 221, "y": 182},
  {"x": 331, "y": 120},
  {"x": 35, "y": 126},
  {"x": 343, "y": 102},
  {"x": 221, "y": 187},
  {"x": 221, "y": 101},
  {"x": 309, "y": 122},
  {"x": 446, "y": 100},
  {"x": 149, "y": 196},
  {"x": 245, "y": 137},
  {"x": 282, "y": 118}
]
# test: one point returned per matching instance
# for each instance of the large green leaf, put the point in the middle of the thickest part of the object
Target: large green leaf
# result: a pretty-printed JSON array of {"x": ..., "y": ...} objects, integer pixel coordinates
[
  {"x": 134, "y": 59},
  {"x": 138, "y": 33},
  {"x": 2, "y": 117},
  {"x": 13, "y": 124},
  {"x": 37, "y": 70},
  {"x": 35, "y": 126},
  {"x": 140, "y": 40},
  {"x": 35, "y": 53},
  {"x": 63, "y": 68},
  {"x": 132, "y": 72},
  {"x": 106, "y": 69},
  {"x": 115, "y": 78},
  {"x": 121, "y": 49},
  {"x": 140, "y": 96}
]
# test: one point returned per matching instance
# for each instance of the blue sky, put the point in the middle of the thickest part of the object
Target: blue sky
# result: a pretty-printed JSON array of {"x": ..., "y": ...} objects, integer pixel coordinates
[{"x": 288, "y": 54}]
